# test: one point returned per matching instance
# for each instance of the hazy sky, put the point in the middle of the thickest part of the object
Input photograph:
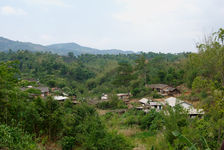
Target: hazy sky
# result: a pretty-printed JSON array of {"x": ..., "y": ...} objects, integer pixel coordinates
[{"x": 138, "y": 25}]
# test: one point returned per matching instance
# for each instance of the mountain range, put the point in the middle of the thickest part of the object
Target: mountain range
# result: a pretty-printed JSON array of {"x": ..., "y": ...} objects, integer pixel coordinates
[{"x": 60, "y": 48}]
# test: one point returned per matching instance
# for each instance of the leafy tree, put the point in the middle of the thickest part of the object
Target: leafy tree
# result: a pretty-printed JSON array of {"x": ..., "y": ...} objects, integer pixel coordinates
[
  {"x": 124, "y": 74},
  {"x": 71, "y": 54},
  {"x": 142, "y": 67},
  {"x": 15, "y": 138}
]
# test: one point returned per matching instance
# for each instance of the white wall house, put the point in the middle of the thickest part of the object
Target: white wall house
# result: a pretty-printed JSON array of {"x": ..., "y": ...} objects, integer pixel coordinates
[
  {"x": 144, "y": 101},
  {"x": 172, "y": 101},
  {"x": 156, "y": 105},
  {"x": 104, "y": 97},
  {"x": 60, "y": 98}
]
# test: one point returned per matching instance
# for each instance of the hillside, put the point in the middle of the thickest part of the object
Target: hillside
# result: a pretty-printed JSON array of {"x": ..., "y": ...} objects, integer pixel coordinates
[
  {"x": 61, "y": 48},
  {"x": 77, "y": 49},
  {"x": 6, "y": 44}
]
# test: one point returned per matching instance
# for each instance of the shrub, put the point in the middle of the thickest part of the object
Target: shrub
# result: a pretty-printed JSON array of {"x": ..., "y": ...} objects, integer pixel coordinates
[
  {"x": 114, "y": 103},
  {"x": 152, "y": 121},
  {"x": 114, "y": 141},
  {"x": 15, "y": 138},
  {"x": 67, "y": 142},
  {"x": 156, "y": 95},
  {"x": 33, "y": 91}
]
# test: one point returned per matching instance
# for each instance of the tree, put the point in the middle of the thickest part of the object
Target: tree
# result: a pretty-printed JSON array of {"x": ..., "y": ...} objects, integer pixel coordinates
[
  {"x": 124, "y": 74},
  {"x": 142, "y": 67},
  {"x": 71, "y": 54}
]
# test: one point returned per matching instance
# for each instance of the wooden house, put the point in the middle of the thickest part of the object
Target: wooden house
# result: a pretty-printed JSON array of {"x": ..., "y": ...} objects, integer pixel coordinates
[
  {"x": 60, "y": 98},
  {"x": 158, "y": 87},
  {"x": 164, "y": 89},
  {"x": 156, "y": 105},
  {"x": 44, "y": 91},
  {"x": 123, "y": 96}
]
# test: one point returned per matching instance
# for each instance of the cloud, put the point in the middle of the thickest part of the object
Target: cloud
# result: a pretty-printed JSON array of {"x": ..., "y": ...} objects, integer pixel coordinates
[
  {"x": 162, "y": 23},
  {"x": 150, "y": 11},
  {"x": 46, "y": 37},
  {"x": 8, "y": 10},
  {"x": 58, "y": 3}
]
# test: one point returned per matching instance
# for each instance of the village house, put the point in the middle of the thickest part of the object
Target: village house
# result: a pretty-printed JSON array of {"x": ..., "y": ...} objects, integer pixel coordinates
[
  {"x": 192, "y": 112},
  {"x": 139, "y": 108},
  {"x": 170, "y": 91},
  {"x": 156, "y": 105},
  {"x": 123, "y": 96},
  {"x": 173, "y": 101},
  {"x": 104, "y": 97},
  {"x": 75, "y": 102},
  {"x": 147, "y": 104},
  {"x": 144, "y": 101},
  {"x": 60, "y": 98},
  {"x": 158, "y": 87},
  {"x": 164, "y": 89},
  {"x": 44, "y": 91},
  {"x": 195, "y": 112}
]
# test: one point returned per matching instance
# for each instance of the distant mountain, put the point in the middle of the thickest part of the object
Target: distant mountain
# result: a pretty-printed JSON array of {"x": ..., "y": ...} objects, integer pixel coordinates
[
  {"x": 61, "y": 49},
  {"x": 6, "y": 44},
  {"x": 64, "y": 48}
]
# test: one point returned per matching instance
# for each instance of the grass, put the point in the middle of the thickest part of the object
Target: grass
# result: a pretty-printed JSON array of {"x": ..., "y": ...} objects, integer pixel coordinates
[{"x": 142, "y": 139}]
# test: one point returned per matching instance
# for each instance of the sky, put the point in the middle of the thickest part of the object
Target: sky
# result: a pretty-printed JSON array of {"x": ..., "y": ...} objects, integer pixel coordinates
[{"x": 168, "y": 26}]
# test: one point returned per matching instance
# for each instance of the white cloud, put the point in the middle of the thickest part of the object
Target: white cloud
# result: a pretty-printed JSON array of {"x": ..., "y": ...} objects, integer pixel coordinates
[
  {"x": 8, "y": 10},
  {"x": 161, "y": 23},
  {"x": 150, "y": 11},
  {"x": 59, "y": 3},
  {"x": 46, "y": 37}
]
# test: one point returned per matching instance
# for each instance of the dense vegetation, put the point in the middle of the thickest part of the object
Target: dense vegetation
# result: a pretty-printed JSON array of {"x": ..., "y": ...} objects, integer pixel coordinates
[
  {"x": 29, "y": 122},
  {"x": 90, "y": 75}
]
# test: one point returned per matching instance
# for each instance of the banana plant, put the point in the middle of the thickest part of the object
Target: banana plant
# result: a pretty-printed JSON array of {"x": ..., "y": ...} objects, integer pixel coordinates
[{"x": 188, "y": 142}]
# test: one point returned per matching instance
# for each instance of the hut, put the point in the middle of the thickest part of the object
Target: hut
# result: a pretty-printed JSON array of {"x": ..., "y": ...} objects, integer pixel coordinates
[
  {"x": 123, "y": 96},
  {"x": 60, "y": 98},
  {"x": 156, "y": 105}
]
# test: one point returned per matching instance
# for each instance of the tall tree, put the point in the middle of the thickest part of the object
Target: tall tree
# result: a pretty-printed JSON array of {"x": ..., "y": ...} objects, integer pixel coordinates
[
  {"x": 142, "y": 67},
  {"x": 124, "y": 74}
]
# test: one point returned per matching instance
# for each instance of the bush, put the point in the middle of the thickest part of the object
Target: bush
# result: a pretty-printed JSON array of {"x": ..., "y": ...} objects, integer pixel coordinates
[
  {"x": 152, "y": 121},
  {"x": 156, "y": 95},
  {"x": 141, "y": 91},
  {"x": 114, "y": 103},
  {"x": 33, "y": 91},
  {"x": 67, "y": 142},
  {"x": 114, "y": 141},
  {"x": 15, "y": 138}
]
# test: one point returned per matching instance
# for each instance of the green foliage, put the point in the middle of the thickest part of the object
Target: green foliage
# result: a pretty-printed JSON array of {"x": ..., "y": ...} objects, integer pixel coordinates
[
  {"x": 88, "y": 130},
  {"x": 15, "y": 139},
  {"x": 33, "y": 91},
  {"x": 114, "y": 103},
  {"x": 155, "y": 94},
  {"x": 185, "y": 140},
  {"x": 153, "y": 121},
  {"x": 124, "y": 74},
  {"x": 176, "y": 120},
  {"x": 113, "y": 141},
  {"x": 133, "y": 117},
  {"x": 139, "y": 89},
  {"x": 67, "y": 143},
  {"x": 199, "y": 84}
]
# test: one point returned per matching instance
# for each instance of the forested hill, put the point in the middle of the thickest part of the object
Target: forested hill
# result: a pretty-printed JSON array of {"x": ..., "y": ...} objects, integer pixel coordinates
[
  {"x": 61, "y": 49},
  {"x": 6, "y": 44},
  {"x": 64, "y": 48}
]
